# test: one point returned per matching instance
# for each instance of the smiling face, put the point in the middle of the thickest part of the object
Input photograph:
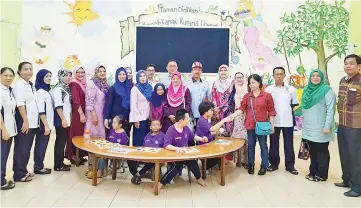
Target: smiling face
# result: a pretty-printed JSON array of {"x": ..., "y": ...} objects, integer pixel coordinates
[
  {"x": 172, "y": 67},
  {"x": 81, "y": 12},
  {"x": 239, "y": 79},
  {"x": 7, "y": 77},
  {"x": 130, "y": 73},
  {"x": 102, "y": 73},
  {"x": 160, "y": 90},
  {"x": 122, "y": 76},
  {"x": 26, "y": 72},
  {"x": 142, "y": 78},
  {"x": 254, "y": 85},
  {"x": 80, "y": 73},
  {"x": 176, "y": 81},
  {"x": 351, "y": 67},
  {"x": 47, "y": 78},
  {"x": 150, "y": 72},
  {"x": 197, "y": 72},
  {"x": 67, "y": 78},
  {"x": 316, "y": 78},
  {"x": 223, "y": 73}
]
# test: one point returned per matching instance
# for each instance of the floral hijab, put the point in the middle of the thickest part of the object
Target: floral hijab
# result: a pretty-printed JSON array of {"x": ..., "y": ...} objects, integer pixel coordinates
[
  {"x": 101, "y": 84},
  {"x": 61, "y": 74},
  {"x": 220, "y": 84}
]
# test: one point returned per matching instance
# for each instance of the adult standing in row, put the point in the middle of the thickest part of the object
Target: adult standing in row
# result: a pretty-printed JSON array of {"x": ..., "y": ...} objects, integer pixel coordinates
[
  {"x": 46, "y": 113},
  {"x": 140, "y": 95},
  {"x": 318, "y": 110},
  {"x": 27, "y": 121},
  {"x": 349, "y": 129},
  {"x": 285, "y": 98},
  {"x": 199, "y": 90},
  {"x": 172, "y": 67},
  {"x": 62, "y": 120},
  {"x": 7, "y": 122},
  {"x": 77, "y": 88},
  {"x": 178, "y": 97},
  {"x": 117, "y": 101},
  {"x": 150, "y": 69}
]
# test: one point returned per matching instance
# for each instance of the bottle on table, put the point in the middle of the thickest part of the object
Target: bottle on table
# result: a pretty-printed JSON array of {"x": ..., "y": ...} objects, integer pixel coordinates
[{"x": 86, "y": 136}]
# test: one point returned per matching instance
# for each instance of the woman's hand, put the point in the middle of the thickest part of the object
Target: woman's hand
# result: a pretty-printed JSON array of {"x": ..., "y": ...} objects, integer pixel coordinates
[
  {"x": 47, "y": 131},
  {"x": 5, "y": 134},
  {"x": 172, "y": 118},
  {"x": 326, "y": 131},
  {"x": 25, "y": 127},
  {"x": 82, "y": 118},
  {"x": 64, "y": 123},
  {"x": 137, "y": 125},
  {"x": 106, "y": 123},
  {"x": 94, "y": 119},
  {"x": 272, "y": 129}
]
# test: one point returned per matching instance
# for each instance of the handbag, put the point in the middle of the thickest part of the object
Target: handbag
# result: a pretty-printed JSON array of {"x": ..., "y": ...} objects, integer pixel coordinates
[
  {"x": 304, "y": 152},
  {"x": 262, "y": 128}
]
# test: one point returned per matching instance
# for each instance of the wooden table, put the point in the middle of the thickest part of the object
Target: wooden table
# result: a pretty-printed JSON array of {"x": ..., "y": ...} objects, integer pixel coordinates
[{"x": 206, "y": 151}]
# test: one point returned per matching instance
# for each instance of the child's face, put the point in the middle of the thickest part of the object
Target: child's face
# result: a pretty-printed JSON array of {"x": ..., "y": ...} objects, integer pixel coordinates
[
  {"x": 155, "y": 126},
  {"x": 209, "y": 113},
  {"x": 160, "y": 90},
  {"x": 116, "y": 124}
]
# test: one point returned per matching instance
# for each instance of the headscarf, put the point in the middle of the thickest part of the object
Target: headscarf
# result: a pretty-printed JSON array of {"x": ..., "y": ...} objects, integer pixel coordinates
[
  {"x": 61, "y": 74},
  {"x": 238, "y": 90},
  {"x": 156, "y": 99},
  {"x": 312, "y": 93},
  {"x": 123, "y": 88},
  {"x": 175, "y": 94},
  {"x": 223, "y": 85},
  {"x": 81, "y": 82},
  {"x": 101, "y": 84},
  {"x": 146, "y": 89},
  {"x": 39, "y": 82}
]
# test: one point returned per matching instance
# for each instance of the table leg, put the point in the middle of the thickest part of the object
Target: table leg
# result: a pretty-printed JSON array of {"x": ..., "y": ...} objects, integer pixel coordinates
[
  {"x": 204, "y": 169},
  {"x": 114, "y": 174},
  {"x": 156, "y": 177},
  {"x": 77, "y": 157},
  {"x": 95, "y": 171},
  {"x": 223, "y": 169}
]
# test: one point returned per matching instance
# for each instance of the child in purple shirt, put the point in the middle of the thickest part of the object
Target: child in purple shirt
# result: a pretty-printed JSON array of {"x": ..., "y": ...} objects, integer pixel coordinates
[
  {"x": 177, "y": 137},
  {"x": 204, "y": 128},
  {"x": 155, "y": 139}
]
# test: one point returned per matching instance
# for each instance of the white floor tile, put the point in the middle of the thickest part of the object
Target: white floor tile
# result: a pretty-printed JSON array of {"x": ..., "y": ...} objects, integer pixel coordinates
[
  {"x": 41, "y": 202},
  {"x": 97, "y": 203}
]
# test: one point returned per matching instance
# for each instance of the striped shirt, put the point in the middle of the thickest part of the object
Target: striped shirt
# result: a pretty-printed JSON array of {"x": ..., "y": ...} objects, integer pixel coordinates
[{"x": 349, "y": 101}]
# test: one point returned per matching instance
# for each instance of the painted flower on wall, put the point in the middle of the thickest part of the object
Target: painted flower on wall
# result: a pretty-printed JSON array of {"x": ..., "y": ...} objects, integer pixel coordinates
[{"x": 235, "y": 59}]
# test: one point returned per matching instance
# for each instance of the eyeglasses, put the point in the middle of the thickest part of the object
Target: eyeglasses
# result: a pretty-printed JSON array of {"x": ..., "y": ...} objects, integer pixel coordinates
[
  {"x": 80, "y": 72},
  {"x": 240, "y": 77}
]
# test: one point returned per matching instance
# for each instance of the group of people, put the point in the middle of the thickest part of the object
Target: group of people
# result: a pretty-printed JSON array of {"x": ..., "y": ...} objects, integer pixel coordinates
[{"x": 173, "y": 114}]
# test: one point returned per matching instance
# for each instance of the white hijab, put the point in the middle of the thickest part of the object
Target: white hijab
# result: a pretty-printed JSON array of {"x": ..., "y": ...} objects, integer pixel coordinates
[{"x": 223, "y": 85}]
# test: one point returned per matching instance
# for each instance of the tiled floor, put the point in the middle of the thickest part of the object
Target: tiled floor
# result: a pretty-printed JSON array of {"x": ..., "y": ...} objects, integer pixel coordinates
[{"x": 277, "y": 189}]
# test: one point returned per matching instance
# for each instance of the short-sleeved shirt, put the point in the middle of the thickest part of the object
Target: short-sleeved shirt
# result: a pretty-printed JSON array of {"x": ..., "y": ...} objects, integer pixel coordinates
[
  {"x": 165, "y": 79},
  {"x": 262, "y": 105},
  {"x": 7, "y": 107},
  {"x": 203, "y": 129},
  {"x": 61, "y": 100},
  {"x": 45, "y": 107},
  {"x": 120, "y": 138},
  {"x": 199, "y": 90},
  {"x": 349, "y": 102},
  {"x": 154, "y": 140},
  {"x": 177, "y": 139},
  {"x": 284, "y": 98},
  {"x": 25, "y": 95}
]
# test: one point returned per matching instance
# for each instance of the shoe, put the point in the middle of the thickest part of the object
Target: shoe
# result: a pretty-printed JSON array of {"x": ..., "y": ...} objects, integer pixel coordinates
[
  {"x": 64, "y": 168},
  {"x": 320, "y": 178},
  {"x": 67, "y": 166},
  {"x": 43, "y": 171},
  {"x": 342, "y": 185},
  {"x": 292, "y": 171},
  {"x": 351, "y": 193},
  {"x": 310, "y": 177},
  {"x": 262, "y": 171},
  {"x": 73, "y": 162},
  {"x": 272, "y": 168},
  {"x": 251, "y": 169},
  {"x": 8, "y": 185}
]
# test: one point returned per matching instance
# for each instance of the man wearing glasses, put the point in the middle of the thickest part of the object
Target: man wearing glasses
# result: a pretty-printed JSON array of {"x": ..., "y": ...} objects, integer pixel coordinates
[
  {"x": 150, "y": 70},
  {"x": 172, "y": 67}
]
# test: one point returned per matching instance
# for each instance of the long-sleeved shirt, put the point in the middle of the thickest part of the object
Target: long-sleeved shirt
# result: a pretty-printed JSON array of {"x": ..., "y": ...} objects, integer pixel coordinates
[
  {"x": 139, "y": 106},
  {"x": 319, "y": 117},
  {"x": 113, "y": 105},
  {"x": 199, "y": 91}
]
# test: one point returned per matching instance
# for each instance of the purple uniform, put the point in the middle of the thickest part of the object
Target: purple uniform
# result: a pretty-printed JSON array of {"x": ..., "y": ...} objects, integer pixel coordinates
[
  {"x": 154, "y": 140},
  {"x": 173, "y": 137},
  {"x": 120, "y": 138},
  {"x": 203, "y": 129}
]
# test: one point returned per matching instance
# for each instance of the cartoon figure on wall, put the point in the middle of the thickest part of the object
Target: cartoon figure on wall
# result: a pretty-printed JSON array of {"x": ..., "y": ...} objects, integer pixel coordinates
[
  {"x": 72, "y": 61},
  {"x": 43, "y": 36}
]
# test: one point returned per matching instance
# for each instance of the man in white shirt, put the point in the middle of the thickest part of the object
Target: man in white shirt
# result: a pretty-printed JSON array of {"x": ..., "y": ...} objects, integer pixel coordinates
[
  {"x": 150, "y": 70},
  {"x": 285, "y": 98},
  {"x": 172, "y": 67}
]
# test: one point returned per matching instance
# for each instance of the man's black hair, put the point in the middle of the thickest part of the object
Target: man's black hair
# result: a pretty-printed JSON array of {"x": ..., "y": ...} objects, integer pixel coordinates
[
  {"x": 150, "y": 65},
  {"x": 279, "y": 67},
  {"x": 204, "y": 107},
  {"x": 172, "y": 60},
  {"x": 180, "y": 114},
  {"x": 358, "y": 58}
]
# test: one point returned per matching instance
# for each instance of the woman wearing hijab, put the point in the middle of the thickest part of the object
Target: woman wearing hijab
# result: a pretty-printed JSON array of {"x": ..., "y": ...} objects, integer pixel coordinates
[
  {"x": 221, "y": 91},
  {"x": 46, "y": 113},
  {"x": 77, "y": 87},
  {"x": 117, "y": 101},
  {"x": 318, "y": 110},
  {"x": 62, "y": 103},
  {"x": 178, "y": 97},
  {"x": 157, "y": 102},
  {"x": 237, "y": 128},
  {"x": 96, "y": 90},
  {"x": 140, "y": 96}
]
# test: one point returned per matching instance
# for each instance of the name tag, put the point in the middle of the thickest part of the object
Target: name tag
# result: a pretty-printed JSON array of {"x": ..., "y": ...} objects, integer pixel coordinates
[
  {"x": 352, "y": 89},
  {"x": 177, "y": 138}
]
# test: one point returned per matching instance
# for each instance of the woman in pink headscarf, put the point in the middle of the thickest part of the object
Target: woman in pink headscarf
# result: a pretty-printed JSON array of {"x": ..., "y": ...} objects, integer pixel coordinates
[
  {"x": 178, "y": 97},
  {"x": 77, "y": 87}
]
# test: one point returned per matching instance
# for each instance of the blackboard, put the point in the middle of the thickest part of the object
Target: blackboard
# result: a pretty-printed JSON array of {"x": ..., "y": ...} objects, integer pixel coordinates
[{"x": 158, "y": 45}]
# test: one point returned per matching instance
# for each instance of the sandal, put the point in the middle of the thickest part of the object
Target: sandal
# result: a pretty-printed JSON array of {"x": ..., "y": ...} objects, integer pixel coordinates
[
  {"x": 8, "y": 185},
  {"x": 64, "y": 168},
  {"x": 136, "y": 180},
  {"x": 43, "y": 171},
  {"x": 90, "y": 175},
  {"x": 27, "y": 178},
  {"x": 310, "y": 177},
  {"x": 271, "y": 168},
  {"x": 317, "y": 178},
  {"x": 293, "y": 171}
]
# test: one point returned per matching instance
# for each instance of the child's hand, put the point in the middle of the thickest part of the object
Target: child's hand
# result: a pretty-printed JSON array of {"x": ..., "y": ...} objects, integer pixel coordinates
[
  {"x": 204, "y": 139},
  {"x": 180, "y": 150}
]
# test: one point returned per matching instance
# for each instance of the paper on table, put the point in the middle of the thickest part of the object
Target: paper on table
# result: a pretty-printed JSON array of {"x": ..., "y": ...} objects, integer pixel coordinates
[
  {"x": 191, "y": 150},
  {"x": 121, "y": 150},
  {"x": 223, "y": 142}
]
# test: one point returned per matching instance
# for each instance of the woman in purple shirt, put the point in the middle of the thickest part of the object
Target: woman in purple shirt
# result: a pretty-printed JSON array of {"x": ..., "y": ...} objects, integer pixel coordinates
[
  {"x": 176, "y": 139},
  {"x": 155, "y": 139}
]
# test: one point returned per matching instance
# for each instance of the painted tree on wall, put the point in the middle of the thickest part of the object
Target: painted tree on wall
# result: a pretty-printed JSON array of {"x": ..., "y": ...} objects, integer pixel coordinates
[{"x": 316, "y": 26}]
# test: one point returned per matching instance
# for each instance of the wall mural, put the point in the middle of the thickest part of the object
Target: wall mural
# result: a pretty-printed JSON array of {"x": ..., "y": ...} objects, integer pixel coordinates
[{"x": 300, "y": 36}]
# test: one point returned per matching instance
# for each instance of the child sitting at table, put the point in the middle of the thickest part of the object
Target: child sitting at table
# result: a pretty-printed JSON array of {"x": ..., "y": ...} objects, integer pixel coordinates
[
  {"x": 176, "y": 139},
  {"x": 204, "y": 129},
  {"x": 155, "y": 139}
]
